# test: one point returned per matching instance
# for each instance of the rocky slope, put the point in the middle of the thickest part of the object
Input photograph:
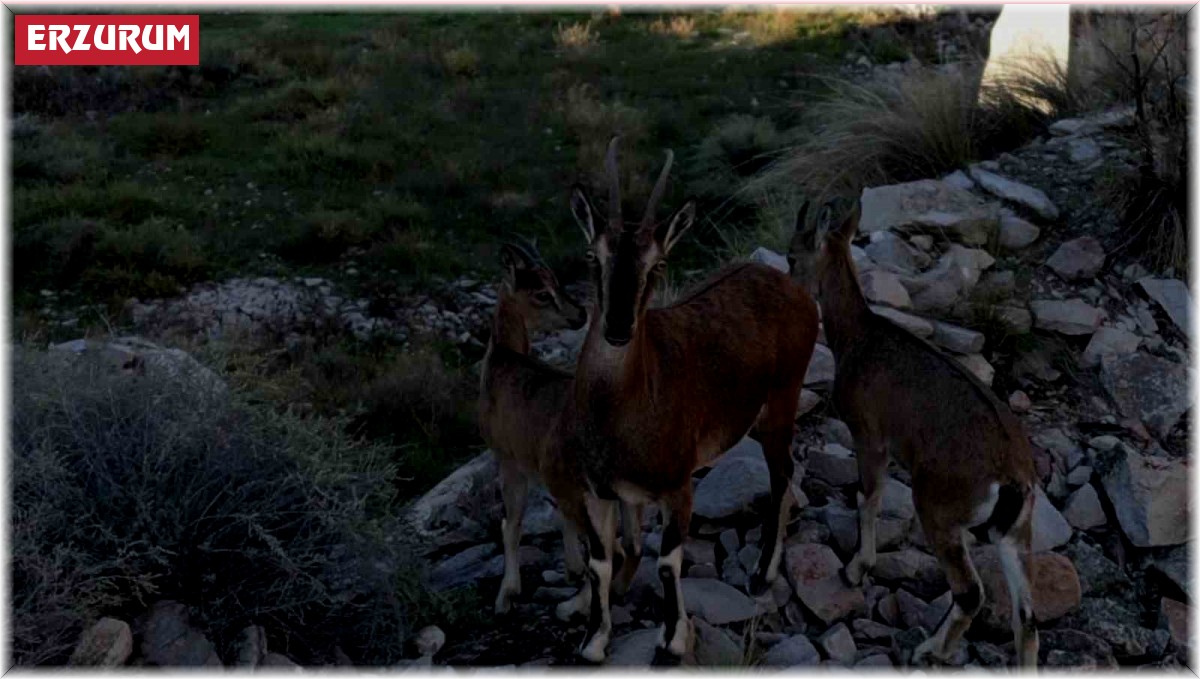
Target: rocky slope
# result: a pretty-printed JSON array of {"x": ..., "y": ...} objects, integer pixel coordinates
[{"x": 1005, "y": 267}]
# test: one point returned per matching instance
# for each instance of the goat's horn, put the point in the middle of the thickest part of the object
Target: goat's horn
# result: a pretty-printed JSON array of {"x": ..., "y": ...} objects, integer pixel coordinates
[
  {"x": 660, "y": 187},
  {"x": 614, "y": 186}
]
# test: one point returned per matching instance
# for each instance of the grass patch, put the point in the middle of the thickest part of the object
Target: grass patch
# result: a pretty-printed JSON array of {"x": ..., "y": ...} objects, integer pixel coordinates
[{"x": 129, "y": 490}]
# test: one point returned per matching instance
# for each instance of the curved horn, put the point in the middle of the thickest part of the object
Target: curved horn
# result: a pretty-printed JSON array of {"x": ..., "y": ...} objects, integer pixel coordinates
[
  {"x": 660, "y": 187},
  {"x": 614, "y": 186}
]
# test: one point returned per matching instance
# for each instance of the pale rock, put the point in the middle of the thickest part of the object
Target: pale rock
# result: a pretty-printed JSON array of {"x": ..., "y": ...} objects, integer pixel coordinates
[
  {"x": 794, "y": 651},
  {"x": 1078, "y": 259},
  {"x": 914, "y": 324},
  {"x": 1050, "y": 529},
  {"x": 884, "y": 287},
  {"x": 1016, "y": 192},
  {"x": 1083, "y": 510},
  {"x": 820, "y": 366},
  {"x": 1109, "y": 342},
  {"x": 891, "y": 253},
  {"x": 1150, "y": 497},
  {"x": 107, "y": 643},
  {"x": 838, "y": 644},
  {"x": 1069, "y": 317},
  {"x": 834, "y": 465},
  {"x": 928, "y": 206},
  {"x": 770, "y": 258},
  {"x": 1019, "y": 402},
  {"x": 1016, "y": 233},
  {"x": 1015, "y": 320},
  {"x": 814, "y": 571},
  {"x": 978, "y": 366},
  {"x": 1173, "y": 296},
  {"x": 957, "y": 339},
  {"x": 1147, "y": 388},
  {"x": 736, "y": 481}
]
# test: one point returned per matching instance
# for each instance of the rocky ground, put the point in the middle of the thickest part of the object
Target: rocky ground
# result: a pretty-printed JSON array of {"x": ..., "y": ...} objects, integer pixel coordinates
[
  {"x": 1089, "y": 350},
  {"x": 1008, "y": 267}
]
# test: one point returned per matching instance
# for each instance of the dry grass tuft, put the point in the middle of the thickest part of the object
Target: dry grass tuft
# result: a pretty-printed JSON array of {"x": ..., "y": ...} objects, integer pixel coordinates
[{"x": 576, "y": 39}]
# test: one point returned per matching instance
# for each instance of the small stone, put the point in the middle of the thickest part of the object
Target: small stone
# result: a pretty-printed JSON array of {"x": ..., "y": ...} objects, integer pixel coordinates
[
  {"x": 884, "y": 287},
  {"x": 714, "y": 648},
  {"x": 1016, "y": 233},
  {"x": 1078, "y": 259},
  {"x": 978, "y": 366},
  {"x": 820, "y": 366},
  {"x": 795, "y": 651},
  {"x": 1050, "y": 529},
  {"x": 836, "y": 431},
  {"x": 814, "y": 571},
  {"x": 1083, "y": 510},
  {"x": 1173, "y": 296},
  {"x": 1055, "y": 588},
  {"x": 1079, "y": 475},
  {"x": 736, "y": 481},
  {"x": 1174, "y": 617},
  {"x": 835, "y": 465},
  {"x": 1019, "y": 402},
  {"x": 1150, "y": 497},
  {"x": 914, "y": 324},
  {"x": 1019, "y": 193},
  {"x": 251, "y": 646},
  {"x": 108, "y": 643},
  {"x": 699, "y": 552},
  {"x": 1083, "y": 150},
  {"x": 957, "y": 339},
  {"x": 838, "y": 644},
  {"x": 770, "y": 258},
  {"x": 1149, "y": 389},
  {"x": 869, "y": 630},
  {"x": 715, "y": 601}
]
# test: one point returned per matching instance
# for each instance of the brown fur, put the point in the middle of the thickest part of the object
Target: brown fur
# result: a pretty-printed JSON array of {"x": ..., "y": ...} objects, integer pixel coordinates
[{"x": 903, "y": 397}]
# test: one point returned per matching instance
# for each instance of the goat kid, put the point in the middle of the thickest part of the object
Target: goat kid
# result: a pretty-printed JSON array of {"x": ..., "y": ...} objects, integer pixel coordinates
[
  {"x": 902, "y": 397},
  {"x": 662, "y": 392},
  {"x": 522, "y": 404}
]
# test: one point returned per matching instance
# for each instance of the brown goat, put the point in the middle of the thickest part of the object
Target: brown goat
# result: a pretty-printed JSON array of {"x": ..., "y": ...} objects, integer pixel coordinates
[
  {"x": 968, "y": 456},
  {"x": 662, "y": 392},
  {"x": 521, "y": 416}
]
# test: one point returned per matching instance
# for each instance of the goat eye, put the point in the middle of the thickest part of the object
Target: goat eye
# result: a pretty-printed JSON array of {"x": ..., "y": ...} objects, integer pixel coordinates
[
  {"x": 543, "y": 298},
  {"x": 660, "y": 267},
  {"x": 589, "y": 255}
]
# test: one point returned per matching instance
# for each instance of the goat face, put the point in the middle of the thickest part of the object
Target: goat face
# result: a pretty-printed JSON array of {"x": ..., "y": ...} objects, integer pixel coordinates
[{"x": 534, "y": 288}]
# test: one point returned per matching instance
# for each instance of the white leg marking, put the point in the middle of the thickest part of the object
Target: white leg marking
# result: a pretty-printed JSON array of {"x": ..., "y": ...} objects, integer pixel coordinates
[{"x": 679, "y": 643}]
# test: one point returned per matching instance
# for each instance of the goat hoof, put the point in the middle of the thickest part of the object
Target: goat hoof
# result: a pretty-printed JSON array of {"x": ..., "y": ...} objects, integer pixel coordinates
[{"x": 594, "y": 650}]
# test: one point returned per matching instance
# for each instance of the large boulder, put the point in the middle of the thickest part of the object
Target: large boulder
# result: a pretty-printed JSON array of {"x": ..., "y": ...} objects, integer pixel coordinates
[
  {"x": 1109, "y": 342},
  {"x": 928, "y": 206},
  {"x": 1149, "y": 389},
  {"x": 137, "y": 355},
  {"x": 891, "y": 253},
  {"x": 108, "y": 643},
  {"x": 450, "y": 511},
  {"x": 1150, "y": 497}
]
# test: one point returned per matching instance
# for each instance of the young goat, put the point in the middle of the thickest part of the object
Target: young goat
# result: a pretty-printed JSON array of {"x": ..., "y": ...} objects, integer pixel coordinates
[
  {"x": 968, "y": 456},
  {"x": 662, "y": 392},
  {"x": 521, "y": 416}
]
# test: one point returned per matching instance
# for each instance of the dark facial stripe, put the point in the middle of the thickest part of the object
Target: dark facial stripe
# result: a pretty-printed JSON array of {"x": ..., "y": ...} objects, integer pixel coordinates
[{"x": 624, "y": 288}]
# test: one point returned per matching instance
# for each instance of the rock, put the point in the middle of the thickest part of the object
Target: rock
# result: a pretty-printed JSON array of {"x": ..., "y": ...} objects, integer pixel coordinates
[
  {"x": 1055, "y": 588},
  {"x": 807, "y": 402},
  {"x": 430, "y": 640},
  {"x": 702, "y": 570},
  {"x": 466, "y": 567},
  {"x": 912, "y": 568},
  {"x": 912, "y": 609},
  {"x": 869, "y": 630},
  {"x": 1150, "y": 497},
  {"x": 890, "y": 252},
  {"x": 1109, "y": 342},
  {"x": 1149, "y": 389},
  {"x": 814, "y": 571},
  {"x": 748, "y": 557},
  {"x": 1173, "y": 566},
  {"x": 699, "y": 551},
  {"x": 730, "y": 542},
  {"x": 714, "y": 648},
  {"x": 136, "y": 355},
  {"x": 1075, "y": 650},
  {"x": 1174, "y": 616},
  {"x": 795, "y": 651},
  {"x": 875, "y": 660},
  {"x": 914, "y": 324},
  {"x": 1078, "y": 259},
  {"x": 169, "y": 641},
  {"x": 838, "y": 644},
  {"x": 1117, "y": 624},
  {"x": 978, "y": 366},
  {"x": 1070, "y": 317},
  {"x": 1173, "y": 296},
  {"x": 820, "y": 367},
  {"x": 1050, "y": 529},
  {"x": 634, "y": 648},
  {"x": 971, "y": 262},
  {"x": 928, "y": 206},
  {"x": 108, "y": 643},
  {"x": 1019, "y": 402},
  {"x": 1098, "y": 575},
  {"x": 1083, "y": 510},
  {"x": 1016, "y": 192},
  {"x": 834, "y": 465},
  {"x": 541, "y": 514},
  {"x": 278, "y": 660},
  {"x": 957, "y": 339},
  {"x": 836, "y": 431},
  {"x": 883, "y": 287},
  {"x": 1016, "y": 233},
  {"x": 897, "y": 500},
  {"x": 1060, "y": 445},
  {"x": 715, "y": 601},
  {"x": 1079, "y": 475},
  {"x": 959, "y": 180},
  {"x": 888, "y": 610},
  {"x": 1083, "y": 150},
  {"x": 937, "y": 610},
  {"x": 251, "y": 646},
  {"x": 437, "y": 515},
  {"x": 770, "y": 258},
  {"x": 736, "y": 481},
  {"x": 997, "y": 284}
]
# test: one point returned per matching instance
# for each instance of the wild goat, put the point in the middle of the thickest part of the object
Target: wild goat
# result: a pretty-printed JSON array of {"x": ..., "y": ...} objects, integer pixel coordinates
[
  {"x": 521, "y": 416},
  {"x": 968, "y": 456},
  {"x": 662, "y": 392}
]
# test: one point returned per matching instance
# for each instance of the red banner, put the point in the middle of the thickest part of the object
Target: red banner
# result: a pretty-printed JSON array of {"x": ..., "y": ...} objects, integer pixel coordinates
[{"x": 107, "y": 39}]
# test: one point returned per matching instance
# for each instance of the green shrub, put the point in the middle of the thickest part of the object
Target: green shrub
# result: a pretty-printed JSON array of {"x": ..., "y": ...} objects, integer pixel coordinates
[{"x": 127, "y": 490}]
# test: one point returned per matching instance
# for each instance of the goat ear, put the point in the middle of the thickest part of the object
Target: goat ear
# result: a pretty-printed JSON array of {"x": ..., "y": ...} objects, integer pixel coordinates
[
  {"x": 513, "y": 260},
  {"x": 849, "y": 225},
  {"x": 584, "y": 213},
  {"x": 669, "y": 232}
]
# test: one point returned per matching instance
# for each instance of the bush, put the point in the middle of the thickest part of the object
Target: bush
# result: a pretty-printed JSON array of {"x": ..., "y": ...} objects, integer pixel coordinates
[{"x": 127, "y": 490}]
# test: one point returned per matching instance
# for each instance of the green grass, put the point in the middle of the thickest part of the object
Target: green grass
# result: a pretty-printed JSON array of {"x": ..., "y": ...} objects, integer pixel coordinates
[{"x": 422, "y": 138}]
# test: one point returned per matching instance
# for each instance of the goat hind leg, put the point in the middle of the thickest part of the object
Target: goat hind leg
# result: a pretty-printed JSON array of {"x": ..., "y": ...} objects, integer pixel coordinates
[
  {"x": 776, "y": 443},
  {"x": 1016, "y": 560},
  {"x": 872, "y": 472},
  {"x": 968, "y": 594}
]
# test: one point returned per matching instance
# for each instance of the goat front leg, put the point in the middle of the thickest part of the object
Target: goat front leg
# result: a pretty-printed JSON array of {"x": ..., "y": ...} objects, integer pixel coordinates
[
  {"x": 631, "y": 542},
  {"x": 872, "y": 472},
  {"x": 514, "y": 488},
  {"x": 574, "y": 515},
  {"x": 676, "y": 631},
  {"x": 776, "y": 444},
  {"x": 601, "y": 529}
]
